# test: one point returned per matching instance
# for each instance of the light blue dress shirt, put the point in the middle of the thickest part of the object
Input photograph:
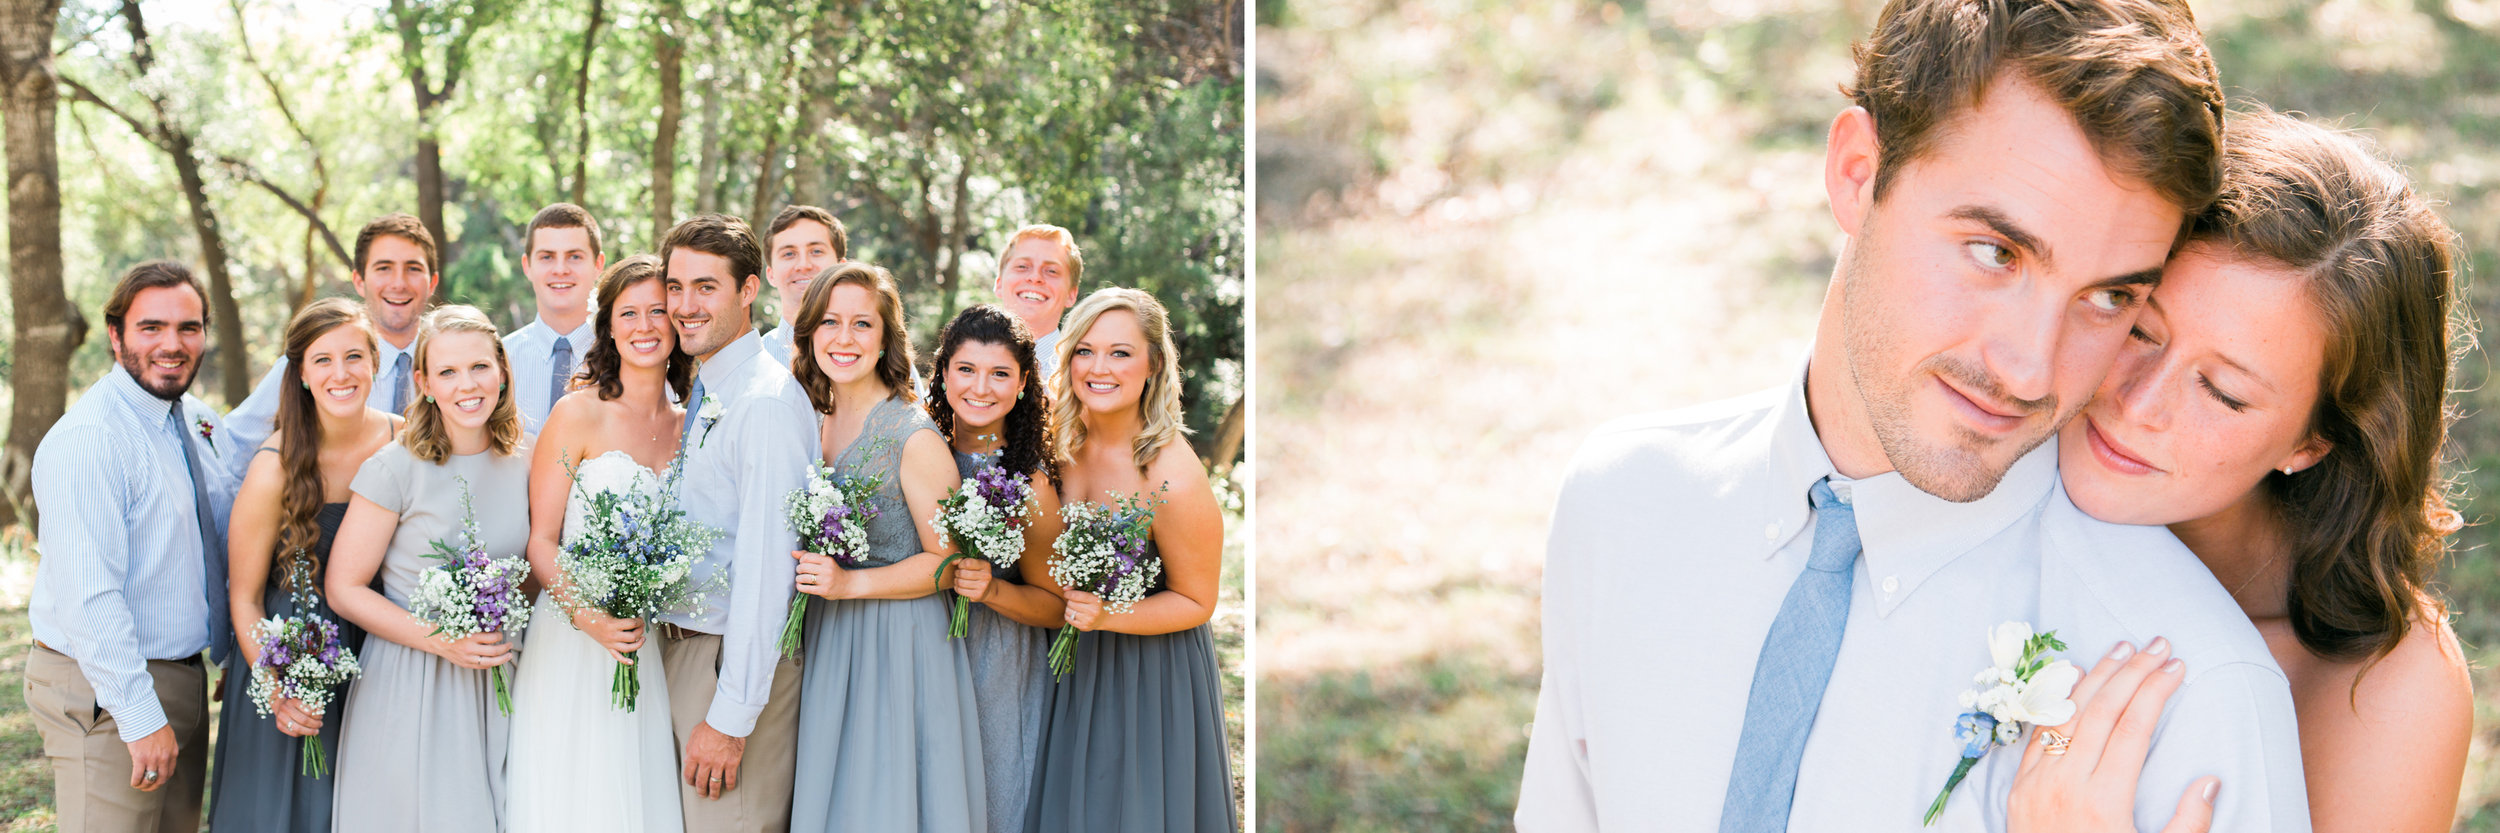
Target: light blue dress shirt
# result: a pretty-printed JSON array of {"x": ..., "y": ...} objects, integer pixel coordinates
[
  {"x": 1046, "y": 354},
  {"x": 529, "y": 349},
  {"x": 740, "y": 469},
  {"x": 1677, "y": 535},
  {"x": 252, "y": 422},
  {"x": 123, "y": 576},
  {"x": 777, "y": 344}
]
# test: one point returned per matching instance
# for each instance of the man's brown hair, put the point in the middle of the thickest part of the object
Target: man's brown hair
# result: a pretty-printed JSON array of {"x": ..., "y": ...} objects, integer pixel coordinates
[
  {"x": 792, "y": 214},
  {"x": 562, "y": 215},
  {"x": 2134, "y": 74},
  {"x": 154, "y": 274},
  {"x": 397, "y": 225},
  {"x": 719, "y": 235}
]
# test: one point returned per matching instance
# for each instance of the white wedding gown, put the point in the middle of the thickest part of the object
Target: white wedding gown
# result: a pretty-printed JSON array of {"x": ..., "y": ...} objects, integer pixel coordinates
[{"x": 578, "y": 762}]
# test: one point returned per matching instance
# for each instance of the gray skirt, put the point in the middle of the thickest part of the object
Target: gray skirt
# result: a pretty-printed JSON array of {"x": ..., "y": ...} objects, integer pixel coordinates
[{"x": 888, "y": 736}]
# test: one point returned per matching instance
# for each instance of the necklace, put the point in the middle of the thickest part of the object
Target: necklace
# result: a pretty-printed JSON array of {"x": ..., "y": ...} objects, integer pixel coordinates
[{"x": 2252, "y": 577}]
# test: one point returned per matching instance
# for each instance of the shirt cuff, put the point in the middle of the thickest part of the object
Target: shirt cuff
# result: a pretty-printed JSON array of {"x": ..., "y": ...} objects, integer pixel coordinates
[
  {"x": 730, "y": 718},
  {"x": 140, "y": 719}
]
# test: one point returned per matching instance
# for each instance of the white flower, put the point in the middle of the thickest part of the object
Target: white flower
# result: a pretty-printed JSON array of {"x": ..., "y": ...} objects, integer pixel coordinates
[
  {"x": 2005, "y": 645},
  {"x": 711, "y": 408},
  {"x": 2041, "y": 701}
]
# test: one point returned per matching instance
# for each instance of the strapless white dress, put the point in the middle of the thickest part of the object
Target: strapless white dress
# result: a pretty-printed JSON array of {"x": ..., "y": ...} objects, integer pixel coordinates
[{"x": 579, "y": 762}]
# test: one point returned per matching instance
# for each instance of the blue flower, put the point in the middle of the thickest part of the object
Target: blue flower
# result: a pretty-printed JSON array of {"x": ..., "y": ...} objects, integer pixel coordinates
[{"x": 1976, "y": 731}]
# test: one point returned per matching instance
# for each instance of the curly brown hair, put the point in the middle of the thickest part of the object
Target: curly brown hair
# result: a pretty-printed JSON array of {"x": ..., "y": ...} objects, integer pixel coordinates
[{"x": 1027, "y": 430}]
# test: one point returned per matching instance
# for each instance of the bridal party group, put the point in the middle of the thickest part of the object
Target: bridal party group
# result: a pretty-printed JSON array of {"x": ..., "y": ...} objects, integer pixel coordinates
[{"x": 636, "y": 566}]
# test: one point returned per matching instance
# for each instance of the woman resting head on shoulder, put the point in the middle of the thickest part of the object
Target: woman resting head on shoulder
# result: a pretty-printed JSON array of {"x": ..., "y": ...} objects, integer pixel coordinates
[{"x": 2281, "y": 409}]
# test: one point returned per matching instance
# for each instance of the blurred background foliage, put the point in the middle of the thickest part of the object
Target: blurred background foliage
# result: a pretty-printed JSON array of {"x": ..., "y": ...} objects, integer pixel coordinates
[
  {"x": 1486, "y": 227},
  {"x": 933, "y": 129}
]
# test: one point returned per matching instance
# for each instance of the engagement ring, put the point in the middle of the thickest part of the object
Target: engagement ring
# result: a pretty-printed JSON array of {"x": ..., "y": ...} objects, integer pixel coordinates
[{"x": 2053, "y": 743}]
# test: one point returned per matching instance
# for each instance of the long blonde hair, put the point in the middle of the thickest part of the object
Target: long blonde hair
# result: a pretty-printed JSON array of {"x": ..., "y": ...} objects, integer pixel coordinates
[
  {"x": 1158, "y": 406},
  {"x": 424, "y": 436}
]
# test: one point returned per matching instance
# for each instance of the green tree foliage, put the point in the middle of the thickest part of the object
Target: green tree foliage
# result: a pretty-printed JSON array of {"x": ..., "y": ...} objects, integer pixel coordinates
[{"x": 933, "y": 129}]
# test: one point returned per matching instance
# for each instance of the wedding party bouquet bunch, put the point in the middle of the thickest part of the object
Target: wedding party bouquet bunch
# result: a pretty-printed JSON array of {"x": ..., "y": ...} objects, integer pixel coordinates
[
  {"x": 473, "y": 592},
  {"x": 301, "y": 659},
  {"x": 2024, "y": 686},
  {"x": 633, "y": 557},
  {"x": 831, "y": 518},
  {"x": 986, "y": 517},
  {"x": 1103, "y": 552}
]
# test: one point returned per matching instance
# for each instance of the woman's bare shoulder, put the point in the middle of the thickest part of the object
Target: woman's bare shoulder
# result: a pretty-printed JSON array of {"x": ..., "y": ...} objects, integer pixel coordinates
[{"x": 2384, "y": 743}]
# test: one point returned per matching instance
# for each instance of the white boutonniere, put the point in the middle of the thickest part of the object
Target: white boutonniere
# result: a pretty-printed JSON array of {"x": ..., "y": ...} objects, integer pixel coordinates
[
  {"x": 2024, "y": 686},
  {"x": 710, "y": 413},
  {"x": 208, "y": 432}
]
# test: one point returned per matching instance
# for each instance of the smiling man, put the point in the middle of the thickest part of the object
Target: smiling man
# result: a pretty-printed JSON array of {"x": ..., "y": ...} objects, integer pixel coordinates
[
  {"x": 395, "y": 275},
  {"x": 801, "y": 242},
  {"x": 563, "y": 259},
  {"x": 749, "y": 440},
  {"x": 1761, "y": 614},
  {"x": 132, "y": 586},
  {"x": 1037, "y": 280}
]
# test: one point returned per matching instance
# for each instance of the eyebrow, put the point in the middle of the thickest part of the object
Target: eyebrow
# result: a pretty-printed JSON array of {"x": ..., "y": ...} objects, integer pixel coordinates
[
  {"x": 2252, "y": 375},
  {"x": 159, "y": 322},
  {"x": 2005, "y": 227}
]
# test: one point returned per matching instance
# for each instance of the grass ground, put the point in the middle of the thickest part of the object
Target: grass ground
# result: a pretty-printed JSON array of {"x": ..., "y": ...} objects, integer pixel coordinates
[{"x": 1487, "y": 227}]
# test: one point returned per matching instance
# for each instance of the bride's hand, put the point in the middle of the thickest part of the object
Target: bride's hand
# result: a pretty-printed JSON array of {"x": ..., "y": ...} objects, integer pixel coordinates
[
  {"x": 619, "y": 636},
  {"x": 2090, "y": 786}
]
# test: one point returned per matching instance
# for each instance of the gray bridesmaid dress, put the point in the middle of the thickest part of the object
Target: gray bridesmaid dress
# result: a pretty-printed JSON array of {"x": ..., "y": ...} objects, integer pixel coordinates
[
  {"x": 1134, "y": 741},
  {"x": 1010, "y": 676},
  {"x": 888, "y": 736},
  {"x": 423, "y": 748},
  {"x": 258, "y": 783}
]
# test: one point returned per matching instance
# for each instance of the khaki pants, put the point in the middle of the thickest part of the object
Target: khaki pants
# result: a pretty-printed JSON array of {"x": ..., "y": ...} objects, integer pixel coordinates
[
  {"x": 762, "y": 800},
  {"x": 91, "y": 765}
]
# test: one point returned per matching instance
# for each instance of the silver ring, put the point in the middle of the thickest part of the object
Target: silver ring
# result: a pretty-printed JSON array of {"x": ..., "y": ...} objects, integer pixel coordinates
[
  {"x": 290, "y": 725},
  {"x": 150, "y": 776}
]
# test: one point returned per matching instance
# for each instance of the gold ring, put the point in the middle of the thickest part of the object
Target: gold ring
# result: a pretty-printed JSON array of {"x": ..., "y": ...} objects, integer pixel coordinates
[{"x": 2053, "y": 742}]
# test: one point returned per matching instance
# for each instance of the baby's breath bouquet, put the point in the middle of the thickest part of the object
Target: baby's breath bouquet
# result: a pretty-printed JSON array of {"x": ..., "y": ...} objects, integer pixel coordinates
[
  {"x": 633, "y": 556},
  {"x": 831, "y": 518},
  {"x": 302, "y": 658},
  {"x": 985, "y": 517},
  {"x": 1103, "y": 552},
  {"x": 473, "y": 592}
]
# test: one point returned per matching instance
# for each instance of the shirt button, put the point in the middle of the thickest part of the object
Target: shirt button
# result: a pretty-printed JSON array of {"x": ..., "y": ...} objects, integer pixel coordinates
[
  {"x": 1772, "y": 532},
  {"x": 1891, "y": 584}
]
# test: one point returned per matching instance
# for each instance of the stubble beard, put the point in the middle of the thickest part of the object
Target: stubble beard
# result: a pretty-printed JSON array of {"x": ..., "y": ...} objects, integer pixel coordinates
[
  {"x": 138, "y": 368},
  {"x": 1960, "y": 471}
]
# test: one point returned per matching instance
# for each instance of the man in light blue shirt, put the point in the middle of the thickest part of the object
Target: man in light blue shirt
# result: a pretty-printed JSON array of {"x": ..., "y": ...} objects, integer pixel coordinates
[
  {"x": 1761, "y": 614},
  {"x": 563, "y": 261},
  {"x": 801, "y": 242},
  {"x": 749, "y": 439},
  {"x": 1038, "y": 276},
  {"x": 133, "y": 493},
  {"x": 396, "y": 276}
]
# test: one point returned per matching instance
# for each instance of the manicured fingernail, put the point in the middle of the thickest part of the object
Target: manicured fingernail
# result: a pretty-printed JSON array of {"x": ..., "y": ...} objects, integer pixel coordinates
[
  {"x": 2122, "y": 652},
  {"x": 2212, "y": 787},
  {"x": 2173, "y": 666},
  {"x": 2161, "y": 645}
]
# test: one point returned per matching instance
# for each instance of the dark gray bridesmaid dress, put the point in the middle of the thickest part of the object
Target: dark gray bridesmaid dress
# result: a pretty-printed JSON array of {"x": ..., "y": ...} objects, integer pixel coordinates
[{"x": 258, "y": 783}]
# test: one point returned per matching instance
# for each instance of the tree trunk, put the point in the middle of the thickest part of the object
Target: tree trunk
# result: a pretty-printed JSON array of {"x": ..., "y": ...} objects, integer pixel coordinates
[
  {"x": 581, "y": 106},
  {"x": 234, "y": 360},
  {"x": 430, "y": 185},
  {"x": 953, "y": 246},
  {"x": 710, "y": 198},
  {"x": 670, "y": 49},
  {"x": 47, "y": 326},
  {"x": 768, "y": 170},
  {"x": 1228, "y": 435}
]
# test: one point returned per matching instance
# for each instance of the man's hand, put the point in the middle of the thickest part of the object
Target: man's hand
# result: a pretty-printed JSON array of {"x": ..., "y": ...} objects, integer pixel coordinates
[
  {"x": 619, "y": 636},
  {"x": 712, "y": 761},
  {"x": 152, "y": 759}
]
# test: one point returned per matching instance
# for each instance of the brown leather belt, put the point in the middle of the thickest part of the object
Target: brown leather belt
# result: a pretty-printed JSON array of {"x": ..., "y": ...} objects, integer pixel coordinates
[
  {"x": 192, "y": 660},
  {"x": 672, "y": 631}
]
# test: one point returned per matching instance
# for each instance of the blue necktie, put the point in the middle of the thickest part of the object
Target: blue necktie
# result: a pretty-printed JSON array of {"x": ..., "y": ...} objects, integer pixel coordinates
[
  {"x": 694, "y": 410},
  {"x": 559, "y": 370},
  {"x": 401, "y": 389},
  {"x": 212, "y": 545},
  {"x": 1788, "y": 680}
]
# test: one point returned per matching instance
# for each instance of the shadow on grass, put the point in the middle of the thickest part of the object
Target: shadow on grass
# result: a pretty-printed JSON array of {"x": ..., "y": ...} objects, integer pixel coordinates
[
  {"x": 25, "y": 779},
  {"x": 1430, "y": 745}
]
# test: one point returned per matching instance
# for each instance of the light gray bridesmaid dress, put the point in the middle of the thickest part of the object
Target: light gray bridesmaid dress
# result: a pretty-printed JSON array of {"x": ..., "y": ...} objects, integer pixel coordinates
[
  {"x": 888, "y": 736},
  {"x": 1010, "y": 675}
]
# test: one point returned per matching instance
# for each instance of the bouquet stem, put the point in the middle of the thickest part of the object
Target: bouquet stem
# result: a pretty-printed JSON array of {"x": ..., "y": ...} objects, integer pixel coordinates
[
  {"x": 961, "y": 625},
  {"x": 624, "y": 687},
  {"x": 790, "y": 628},
  {"x": 315, "y": 764},
  {"x": 503, "y": 693},
  {"x": 1937, "y": 809},
  {"x": 1063, "y": 652}
]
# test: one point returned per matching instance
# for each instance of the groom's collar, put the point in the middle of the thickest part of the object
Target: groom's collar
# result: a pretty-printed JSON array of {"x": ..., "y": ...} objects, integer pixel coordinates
[
  {"x": 729, "y": 360},
  {"x": 1907, "y": 533}
]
